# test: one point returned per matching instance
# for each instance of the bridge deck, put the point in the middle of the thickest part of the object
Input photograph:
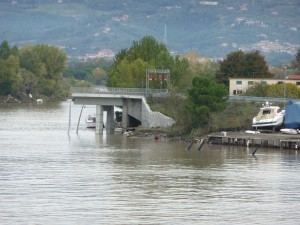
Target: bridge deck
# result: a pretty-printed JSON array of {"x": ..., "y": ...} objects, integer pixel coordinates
[{"x": 117, "y": 91}]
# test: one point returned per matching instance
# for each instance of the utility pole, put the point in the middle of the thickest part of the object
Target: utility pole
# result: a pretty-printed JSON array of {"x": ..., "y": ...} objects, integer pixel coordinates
[
  {"x": 284, "y": 86},
  {"x": 165, "y": 36}
]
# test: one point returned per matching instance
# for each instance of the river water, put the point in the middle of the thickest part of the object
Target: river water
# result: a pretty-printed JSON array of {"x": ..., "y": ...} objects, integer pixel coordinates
[{"x": 50, "y": 177}]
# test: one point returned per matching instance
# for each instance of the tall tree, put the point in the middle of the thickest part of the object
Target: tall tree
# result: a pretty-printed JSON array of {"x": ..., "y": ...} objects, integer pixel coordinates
[
  {"x": 204, "y": 97},
  {"x": 53, "y": 58},
  {"x": 129, "y": 67},
  {"x": 47, "y": 64},
  {"x": 97, "y": 76},
  {"x": 9, "y": 64},
  {"x": 296, "y": 62},
  {"x": 241, "y": 64},
  {"x": 4, "y": 50},
  {"x": 30, "y": 60}
]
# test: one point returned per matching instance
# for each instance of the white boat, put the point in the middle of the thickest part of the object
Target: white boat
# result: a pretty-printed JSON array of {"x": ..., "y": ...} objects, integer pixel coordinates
[
  {"x": 290, "y": 131},
  {"x": 91, "y": 121},
  {"x": 118, "y": 129},
  {"x": 252, "y": 132},
  {"x": 268, "y": 117}
]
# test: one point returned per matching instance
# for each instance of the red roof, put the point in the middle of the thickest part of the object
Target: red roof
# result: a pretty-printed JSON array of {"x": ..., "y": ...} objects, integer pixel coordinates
[{"x": 293, "y": 77}]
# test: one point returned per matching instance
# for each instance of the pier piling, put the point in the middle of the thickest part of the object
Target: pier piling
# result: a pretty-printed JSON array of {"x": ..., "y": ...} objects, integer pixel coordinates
[{"x": 266, "y": 140}]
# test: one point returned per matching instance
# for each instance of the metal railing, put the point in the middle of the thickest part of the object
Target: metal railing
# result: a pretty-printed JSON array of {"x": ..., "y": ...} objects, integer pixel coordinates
[
  {"x": 161, "y": 92},
  {"x": 118, "y": 91},
  {"x": 260, "y": 99}
]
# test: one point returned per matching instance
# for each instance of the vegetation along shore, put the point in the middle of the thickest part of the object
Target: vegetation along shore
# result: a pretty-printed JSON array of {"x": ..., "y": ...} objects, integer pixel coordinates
[{"x": 198, "y": 87}]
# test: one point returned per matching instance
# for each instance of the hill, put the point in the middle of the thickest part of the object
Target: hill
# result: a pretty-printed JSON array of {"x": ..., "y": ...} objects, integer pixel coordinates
[{"x": 209, "y": 28}]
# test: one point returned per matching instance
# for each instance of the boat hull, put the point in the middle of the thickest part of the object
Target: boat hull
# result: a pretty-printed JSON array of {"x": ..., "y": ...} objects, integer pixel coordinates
[
  {"x": 265, "y": 124},
  {"x": 90, "y": 125},
  {"x": 289, "y": 131},
  {"x": 90, "y": 122},
  {"x": 269, "y": 117}
]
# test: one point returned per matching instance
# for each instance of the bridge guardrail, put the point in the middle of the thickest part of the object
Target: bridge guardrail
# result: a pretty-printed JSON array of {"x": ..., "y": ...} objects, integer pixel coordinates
[
  {"x": 124, "y": 91},
  {"x": 146, "y": 92},
  {"x": 260, "y": 99}
]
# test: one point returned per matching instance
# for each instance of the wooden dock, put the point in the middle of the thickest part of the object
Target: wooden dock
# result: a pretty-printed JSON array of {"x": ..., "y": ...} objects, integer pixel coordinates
[{"x": 267, "y": 140}]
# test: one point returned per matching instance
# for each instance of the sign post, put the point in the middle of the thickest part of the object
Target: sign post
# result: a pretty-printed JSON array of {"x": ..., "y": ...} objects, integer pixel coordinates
[{"x": 161, "y": 75}]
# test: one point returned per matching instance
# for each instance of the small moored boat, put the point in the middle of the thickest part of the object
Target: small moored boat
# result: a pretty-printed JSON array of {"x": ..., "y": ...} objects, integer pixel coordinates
[
  {"x": 290, "y": 131},
  {"x": 91, "y": 121}
]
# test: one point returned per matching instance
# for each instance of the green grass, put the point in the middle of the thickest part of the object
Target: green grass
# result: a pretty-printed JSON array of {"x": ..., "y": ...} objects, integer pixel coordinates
[{"x": 236, "y": 116}]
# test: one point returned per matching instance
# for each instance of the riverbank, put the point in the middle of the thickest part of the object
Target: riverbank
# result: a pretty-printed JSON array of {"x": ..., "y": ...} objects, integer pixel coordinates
[
  {"x": 19, "y": 98},
  {"x": 25, "y": 98}
]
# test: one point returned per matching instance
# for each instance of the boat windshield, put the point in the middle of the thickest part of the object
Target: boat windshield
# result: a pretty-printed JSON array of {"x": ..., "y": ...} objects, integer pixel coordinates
[{"x": 266, "y": 111}]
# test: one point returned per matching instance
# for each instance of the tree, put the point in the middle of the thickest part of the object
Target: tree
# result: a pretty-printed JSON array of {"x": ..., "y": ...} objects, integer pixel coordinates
[
  {"x": 258, "y": 90},
  {"x": 30, "y": 60},
  {"x": 47, "y": 64},
  {"x": 181, "y": 77},
  {"x": 52, "y": 58},
  {"x": 241, "y": 64},
  {"x": 274, "y": 91},
  {"x": 27, "y": 82},
  {"x": 204, "y": 97},
  {"x": 283, "y": 90},
  {"x": 97, "y": 76},
  {"x": 296, "y": 62},
  {"x": 4, "y": 50},
  {"x": 129, "y": 74},
  {"x": 9, "y": 64},
  {"x": 129, "y": 67},
  {"x": 8, "y": 74},
  {"x": 32, "y": 70}
]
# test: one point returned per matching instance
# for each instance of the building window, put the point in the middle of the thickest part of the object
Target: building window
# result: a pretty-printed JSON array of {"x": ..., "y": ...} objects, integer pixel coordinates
[
  {"x": 263, "y": 82},
  {"x": 298, "y": 83},
  {"x": 280, "y": 82},
  {"x": 250, "y": 82},
  {"x": 237, "y": 92},
  {"x": 238, "y": 82}
]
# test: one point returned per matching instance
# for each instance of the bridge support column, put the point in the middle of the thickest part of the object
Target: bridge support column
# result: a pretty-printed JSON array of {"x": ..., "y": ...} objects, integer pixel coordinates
[
  {"x": 125, "y": 114},
  {"x": 110, "y": 120},
  {"x": 99, "y": 119}
]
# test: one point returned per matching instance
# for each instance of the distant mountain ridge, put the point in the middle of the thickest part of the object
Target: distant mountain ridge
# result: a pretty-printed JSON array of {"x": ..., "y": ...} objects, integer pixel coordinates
[{"x": 209, "y": 28}]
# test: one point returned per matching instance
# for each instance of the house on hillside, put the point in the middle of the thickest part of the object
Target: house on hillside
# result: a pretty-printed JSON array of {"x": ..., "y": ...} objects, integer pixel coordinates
[
  {"x": 293, "y": 77},
  {"x": 238, "y": 86}
]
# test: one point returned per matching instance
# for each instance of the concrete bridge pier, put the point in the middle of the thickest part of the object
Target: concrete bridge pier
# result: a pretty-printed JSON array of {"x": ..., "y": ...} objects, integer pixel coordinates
[
  {"x": 136, "y": 111},
  {"x": 99, "y": 119},
  {"x": 110, "y": 119},
  {"x": 125, "y": 114}
]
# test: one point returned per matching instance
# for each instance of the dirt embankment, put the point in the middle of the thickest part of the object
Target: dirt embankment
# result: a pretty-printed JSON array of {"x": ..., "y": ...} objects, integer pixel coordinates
[{"x": 159, "y": 133}]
